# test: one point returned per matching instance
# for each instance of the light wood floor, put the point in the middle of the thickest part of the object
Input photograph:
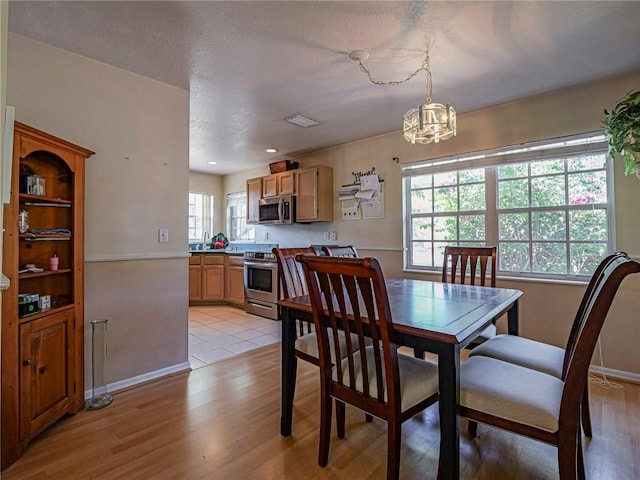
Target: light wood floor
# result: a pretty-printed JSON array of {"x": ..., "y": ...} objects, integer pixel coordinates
[{"x": 222, "y": 422}]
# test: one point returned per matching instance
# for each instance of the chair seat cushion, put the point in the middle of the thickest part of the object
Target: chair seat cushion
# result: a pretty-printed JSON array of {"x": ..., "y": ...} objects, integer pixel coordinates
[
  {"x": 418, "y": 378},
  {"x": 511, "y": 392},
  {"x": 524, "y": 352},
  {"x": 309, "y": 344}
]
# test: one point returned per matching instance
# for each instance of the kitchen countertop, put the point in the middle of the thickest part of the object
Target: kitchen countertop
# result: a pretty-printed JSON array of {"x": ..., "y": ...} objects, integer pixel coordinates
[{"x": 216, "y": 251}]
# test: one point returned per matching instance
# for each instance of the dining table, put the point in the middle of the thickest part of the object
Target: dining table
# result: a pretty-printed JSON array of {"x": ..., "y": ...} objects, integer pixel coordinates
[{"x": 441, "y": 318}]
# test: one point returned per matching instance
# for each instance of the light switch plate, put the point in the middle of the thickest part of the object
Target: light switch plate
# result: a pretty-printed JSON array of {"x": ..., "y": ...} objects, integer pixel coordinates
[{"x": 163, "y": 235}]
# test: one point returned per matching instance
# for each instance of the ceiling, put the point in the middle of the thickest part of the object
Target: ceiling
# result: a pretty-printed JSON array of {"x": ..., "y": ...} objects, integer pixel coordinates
[{"x": 250, "y": 65}]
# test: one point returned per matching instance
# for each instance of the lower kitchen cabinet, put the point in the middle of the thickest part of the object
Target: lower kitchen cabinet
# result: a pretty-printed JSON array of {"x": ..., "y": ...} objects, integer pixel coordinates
[
  {"x": 213, "y": 277},
  {"x": 234, "y": 276},
  {"x": 216, "y": 277}
]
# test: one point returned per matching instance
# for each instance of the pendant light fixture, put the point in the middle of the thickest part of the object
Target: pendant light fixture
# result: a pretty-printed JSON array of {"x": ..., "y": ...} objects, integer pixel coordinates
[{"x": 430, "y": 122}]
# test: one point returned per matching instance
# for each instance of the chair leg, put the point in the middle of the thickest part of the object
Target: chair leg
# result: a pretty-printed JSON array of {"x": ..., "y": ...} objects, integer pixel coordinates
[
  {"x": 368, "y": 417},
  {"x": 473, "y": 428},
  {"x": 586, "y": 414},
  {"x": 568, "y": 454},
  {"x": 394, "y": 437},
  {"x": 340, "y": 410},
  {"x": 325, "y": 429},
  {"x": 581, "y": 472},
  {"x": 417, "y": 353}
]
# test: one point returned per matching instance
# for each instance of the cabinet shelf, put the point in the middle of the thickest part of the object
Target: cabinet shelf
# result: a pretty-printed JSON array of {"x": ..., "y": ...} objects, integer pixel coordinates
[
  {"x": 39, "y": 237},
  {"x": 37, "y": 200},
  {"x": 46, "y": 273},
  {"x": 44, "y": 313}
]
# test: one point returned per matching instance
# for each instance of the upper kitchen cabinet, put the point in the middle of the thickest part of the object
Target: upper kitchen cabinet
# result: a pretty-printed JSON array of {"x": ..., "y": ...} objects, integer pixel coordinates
[
  {"x": 314, "y": 187},
  {"x": 279, "y": 184},
  {"x": 254, "y": 194}
]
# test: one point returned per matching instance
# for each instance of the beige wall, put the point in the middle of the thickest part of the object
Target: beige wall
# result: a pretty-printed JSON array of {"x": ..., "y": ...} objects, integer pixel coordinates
[
  {"x": 547, "y": 309},
  {"x": 136, "y": 183}
]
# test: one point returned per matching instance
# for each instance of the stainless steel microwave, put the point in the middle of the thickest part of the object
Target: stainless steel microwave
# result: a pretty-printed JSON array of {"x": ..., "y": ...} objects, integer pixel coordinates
[{"x": 277, "y": 210}]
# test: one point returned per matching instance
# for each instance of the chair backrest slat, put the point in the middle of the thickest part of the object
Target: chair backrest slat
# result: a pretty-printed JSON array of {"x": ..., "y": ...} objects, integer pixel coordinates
[{"x": 469, "y": 257}]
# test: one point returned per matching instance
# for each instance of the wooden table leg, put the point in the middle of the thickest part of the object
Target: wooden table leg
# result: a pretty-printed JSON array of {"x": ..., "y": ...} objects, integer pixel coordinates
[
  {"x": 449, "y": 381},
  {"x": 289, "y": 365},
  {"x": 512, "y": 319}
]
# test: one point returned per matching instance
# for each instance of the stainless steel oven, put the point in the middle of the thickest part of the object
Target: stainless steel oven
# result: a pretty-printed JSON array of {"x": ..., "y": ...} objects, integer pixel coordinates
[{"x": 261, "y": 284}]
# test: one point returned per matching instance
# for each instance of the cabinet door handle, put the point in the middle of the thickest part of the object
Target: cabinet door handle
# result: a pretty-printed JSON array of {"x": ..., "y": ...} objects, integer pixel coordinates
[{"x": 26, "y": 362}]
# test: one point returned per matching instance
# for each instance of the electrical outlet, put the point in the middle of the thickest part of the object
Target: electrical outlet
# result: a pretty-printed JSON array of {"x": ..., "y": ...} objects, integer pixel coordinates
[
  {"x": 163, "y": 235},
  {"x": 266, "y": 235},
  {"x": 333, "y": 236},
  {"x": 326, "y": 235}
]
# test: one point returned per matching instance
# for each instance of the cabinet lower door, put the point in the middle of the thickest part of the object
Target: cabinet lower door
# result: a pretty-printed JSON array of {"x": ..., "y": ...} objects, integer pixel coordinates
[
  {"x": 45, "y": 371},
  {"x": 195, "y": 282},
  {"x": 213, "y": 282}
]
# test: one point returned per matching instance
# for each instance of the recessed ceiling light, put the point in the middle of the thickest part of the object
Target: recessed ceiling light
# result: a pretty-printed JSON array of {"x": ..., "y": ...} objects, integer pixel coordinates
[
  {"x": 271, "y": 150},
  {"x": 212, "y": 163},
  {"x": 301, "y": 121}
]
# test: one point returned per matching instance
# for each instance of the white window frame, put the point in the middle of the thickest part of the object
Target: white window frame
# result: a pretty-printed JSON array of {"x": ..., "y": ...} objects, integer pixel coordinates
[
  {"x": 237, "y": 226},
  {"x": 590, "y": 143},
  {"x": 201, "y": 219}
]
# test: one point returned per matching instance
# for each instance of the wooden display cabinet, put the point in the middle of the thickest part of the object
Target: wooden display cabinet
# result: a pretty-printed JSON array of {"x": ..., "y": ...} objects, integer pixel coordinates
[{"x": 43, "y": 353}]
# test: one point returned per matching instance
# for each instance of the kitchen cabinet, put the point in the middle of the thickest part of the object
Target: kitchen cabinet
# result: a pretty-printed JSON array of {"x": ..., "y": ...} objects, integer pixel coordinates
[
  {"x": 314, "y": 186},
  {"x": 42, "y": 346},
  {"x": 213, "y": 277},
  {"x": 206, "y": 277},
  {"x": 195, "y": 277},
  {"x": 254, "y": 194},
  {"x": 234, "y": 278},
  {"x": 282, "y": 183}
]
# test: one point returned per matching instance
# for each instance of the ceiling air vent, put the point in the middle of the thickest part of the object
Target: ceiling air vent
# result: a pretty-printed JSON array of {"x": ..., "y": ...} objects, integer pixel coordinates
[{"x": 301, "y": 121}]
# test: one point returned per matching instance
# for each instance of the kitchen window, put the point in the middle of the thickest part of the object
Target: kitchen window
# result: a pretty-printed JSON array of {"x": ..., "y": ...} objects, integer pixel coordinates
[
  {"x": 200, "y": 216},
  {"x": 237, "y": 218},
  {"x": 546, "y": 205}
]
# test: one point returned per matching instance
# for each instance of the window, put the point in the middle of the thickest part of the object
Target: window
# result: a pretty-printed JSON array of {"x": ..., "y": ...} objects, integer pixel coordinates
[
  {"x": 200, "y": 216},
  {"x": 237, "y": 218},
  {"x": 547, "y": 206}
]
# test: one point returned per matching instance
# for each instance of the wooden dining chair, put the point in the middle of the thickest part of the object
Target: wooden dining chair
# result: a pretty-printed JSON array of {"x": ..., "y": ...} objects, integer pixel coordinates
[
  {"x": 350, "y": 295},
  {"x": 541, "y": 356},
  {"x": 293, "y": 284},
  {"x": 533, "y": 403},
  {"x": 346, "y": 251},
  {"x": 477, "y": 267},
  {"x": 470, "y": 266}
]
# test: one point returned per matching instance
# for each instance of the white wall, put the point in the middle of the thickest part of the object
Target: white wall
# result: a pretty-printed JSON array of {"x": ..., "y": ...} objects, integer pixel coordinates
[{"x": 136, "y": 183}]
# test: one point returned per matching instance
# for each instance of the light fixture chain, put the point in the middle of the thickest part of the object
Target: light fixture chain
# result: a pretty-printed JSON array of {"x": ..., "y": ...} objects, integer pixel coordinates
[{"x": 424, "y": 66}]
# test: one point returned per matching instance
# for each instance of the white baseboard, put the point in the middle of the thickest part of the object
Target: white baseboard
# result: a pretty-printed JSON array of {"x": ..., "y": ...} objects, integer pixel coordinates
[
  {"x": 145, "y": 377},
  {"x": 617, "y": 374}
]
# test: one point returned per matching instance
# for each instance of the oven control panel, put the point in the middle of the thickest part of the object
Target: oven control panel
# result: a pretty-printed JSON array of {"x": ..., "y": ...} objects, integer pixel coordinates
[{"x": 261, "y": 256}]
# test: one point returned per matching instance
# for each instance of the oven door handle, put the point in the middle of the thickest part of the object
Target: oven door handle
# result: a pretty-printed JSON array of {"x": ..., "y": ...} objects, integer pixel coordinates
[{"x": 265, "y": 265}]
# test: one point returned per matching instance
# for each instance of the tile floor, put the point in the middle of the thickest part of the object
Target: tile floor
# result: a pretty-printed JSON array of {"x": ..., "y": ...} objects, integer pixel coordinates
[{"x": 224, "y": 331}]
